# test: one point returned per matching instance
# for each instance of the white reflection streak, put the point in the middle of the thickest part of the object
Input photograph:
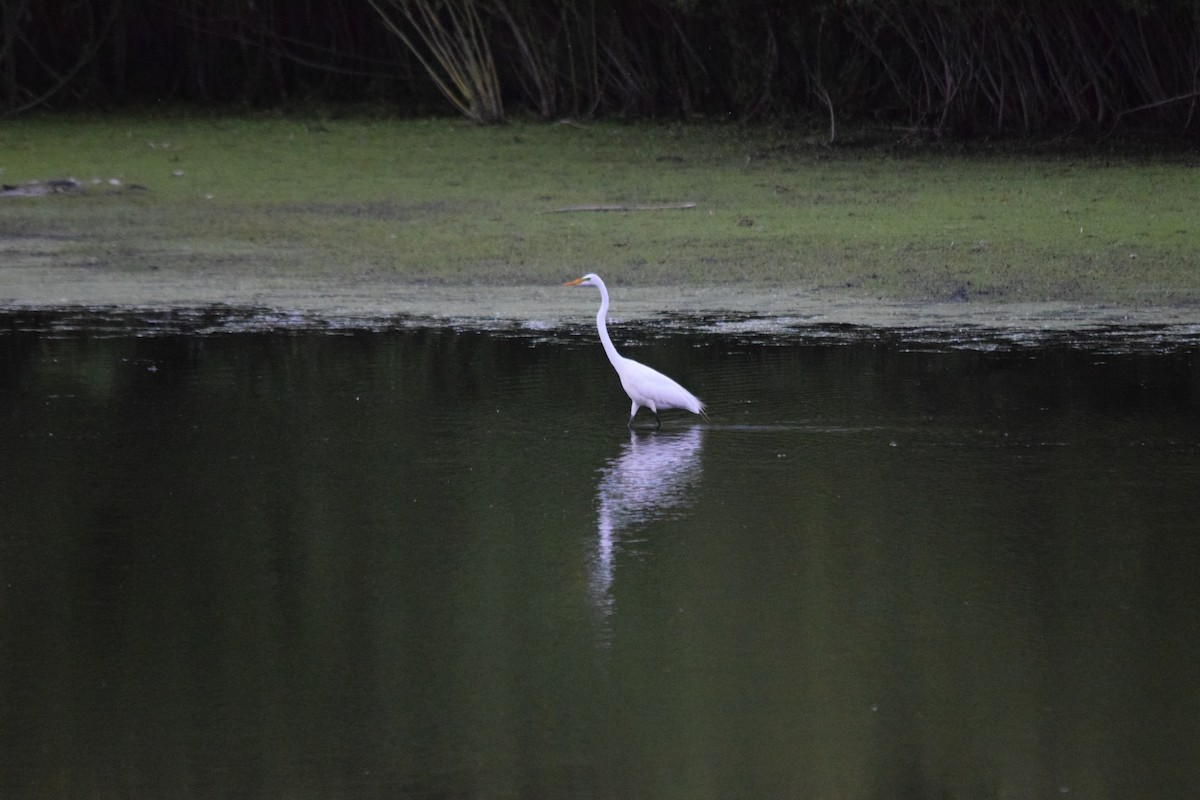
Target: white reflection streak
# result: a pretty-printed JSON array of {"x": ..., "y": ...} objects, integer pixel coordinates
[{"x": 651, "y": 477}]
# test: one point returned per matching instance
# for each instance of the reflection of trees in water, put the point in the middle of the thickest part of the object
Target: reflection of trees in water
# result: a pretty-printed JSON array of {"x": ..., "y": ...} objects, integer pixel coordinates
[{"x": 649, "y": 480}]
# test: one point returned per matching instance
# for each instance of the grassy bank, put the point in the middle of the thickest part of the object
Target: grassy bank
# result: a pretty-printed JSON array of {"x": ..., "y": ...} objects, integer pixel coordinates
[{"x": 442, "y": 201}]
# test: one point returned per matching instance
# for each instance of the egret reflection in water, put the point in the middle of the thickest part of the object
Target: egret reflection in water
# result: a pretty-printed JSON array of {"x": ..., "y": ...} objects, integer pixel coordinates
[{"x": 651, "y": 479}]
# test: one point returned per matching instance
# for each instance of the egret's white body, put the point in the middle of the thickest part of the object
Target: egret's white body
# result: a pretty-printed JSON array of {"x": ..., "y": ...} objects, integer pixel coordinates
[{"x": 646, "y": 387}]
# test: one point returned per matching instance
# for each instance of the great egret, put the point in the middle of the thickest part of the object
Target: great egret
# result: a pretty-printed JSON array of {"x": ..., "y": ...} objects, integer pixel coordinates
[{"x": 645, "y": 387}]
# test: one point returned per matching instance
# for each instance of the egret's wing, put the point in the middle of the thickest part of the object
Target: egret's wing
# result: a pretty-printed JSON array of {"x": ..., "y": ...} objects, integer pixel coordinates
[{"x": 645, "y": 385}]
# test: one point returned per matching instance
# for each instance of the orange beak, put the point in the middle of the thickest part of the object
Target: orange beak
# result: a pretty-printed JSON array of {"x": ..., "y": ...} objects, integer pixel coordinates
[{"x": 575, "y": 282}]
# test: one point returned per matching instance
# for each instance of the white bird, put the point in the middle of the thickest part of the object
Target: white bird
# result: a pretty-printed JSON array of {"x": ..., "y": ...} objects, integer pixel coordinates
[{"x": 645, "y": 386}]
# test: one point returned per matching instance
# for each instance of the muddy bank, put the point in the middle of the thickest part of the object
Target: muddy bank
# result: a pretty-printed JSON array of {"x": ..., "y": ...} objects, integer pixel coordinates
[{"x": 366, "y": 301}]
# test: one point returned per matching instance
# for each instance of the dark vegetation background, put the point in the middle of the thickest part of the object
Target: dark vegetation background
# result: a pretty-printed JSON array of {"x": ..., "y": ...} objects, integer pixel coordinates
[{"x": 961, "y": 68}]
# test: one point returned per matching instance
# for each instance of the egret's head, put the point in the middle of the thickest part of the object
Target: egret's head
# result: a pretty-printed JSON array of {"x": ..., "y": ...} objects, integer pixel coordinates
[{"x": 591, "y": 279}]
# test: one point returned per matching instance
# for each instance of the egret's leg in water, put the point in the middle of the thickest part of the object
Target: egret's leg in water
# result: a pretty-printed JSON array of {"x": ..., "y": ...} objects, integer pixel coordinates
[{"x": 657, "y": 421}]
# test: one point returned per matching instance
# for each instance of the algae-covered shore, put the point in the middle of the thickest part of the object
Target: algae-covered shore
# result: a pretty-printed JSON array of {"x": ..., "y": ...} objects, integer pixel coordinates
[{"x": 440, "y": 219}]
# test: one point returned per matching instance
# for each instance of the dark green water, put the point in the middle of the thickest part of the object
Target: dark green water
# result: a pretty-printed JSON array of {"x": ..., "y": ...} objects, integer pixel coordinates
[{"x": 434, "y": 564}]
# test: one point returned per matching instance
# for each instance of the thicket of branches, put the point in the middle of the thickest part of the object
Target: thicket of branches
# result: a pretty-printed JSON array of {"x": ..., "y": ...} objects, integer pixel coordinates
[{"x": 945, "y": 66}]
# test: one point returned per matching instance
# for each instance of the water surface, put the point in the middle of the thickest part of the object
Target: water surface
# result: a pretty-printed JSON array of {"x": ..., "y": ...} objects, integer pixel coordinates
[{"x": 275, "y": 561}]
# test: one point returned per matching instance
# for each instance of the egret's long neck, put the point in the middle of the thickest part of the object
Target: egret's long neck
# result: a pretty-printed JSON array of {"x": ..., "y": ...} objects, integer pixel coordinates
[{"x": 602, "y": 325}]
